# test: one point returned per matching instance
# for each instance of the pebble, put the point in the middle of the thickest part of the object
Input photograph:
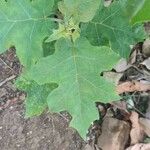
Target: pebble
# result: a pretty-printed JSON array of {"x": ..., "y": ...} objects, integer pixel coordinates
[
  {"x": 11, "y": 107},
  {"x": 18, "y": 145},
  {"x": 30, "y": 132}
]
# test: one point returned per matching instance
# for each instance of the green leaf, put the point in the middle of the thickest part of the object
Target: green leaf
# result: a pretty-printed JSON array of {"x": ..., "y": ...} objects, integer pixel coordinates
[
  {"x": 24, "y": 24},
  {"x": 48, "y": 48},
  {"x": 36, "y": 96},
  {"x": 132, "y": 7},
  {"x": 79, "y": 10},
  {"x": 110, "y": 23},
  {"x": 71, "y": 30},
  {"x": 143, "y": 14},
  {"x": 76, "y": 68},
  {"x": 56, "y": 4}
]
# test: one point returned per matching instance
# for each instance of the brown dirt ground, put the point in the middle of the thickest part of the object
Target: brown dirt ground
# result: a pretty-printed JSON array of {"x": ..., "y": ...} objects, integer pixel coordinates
[{"x": 46, "y": 132}]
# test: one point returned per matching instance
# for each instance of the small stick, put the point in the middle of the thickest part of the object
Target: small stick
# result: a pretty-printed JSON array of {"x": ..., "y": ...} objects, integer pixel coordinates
[
  {"x": 7, "y": 79},
  {"x": 7, "y": 65}
]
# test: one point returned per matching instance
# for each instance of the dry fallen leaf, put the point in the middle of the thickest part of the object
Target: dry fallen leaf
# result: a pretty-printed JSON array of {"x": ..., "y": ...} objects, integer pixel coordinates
[
  {"x": 112, "y": 76},
  {"x": 119, "y": 104},
  {"x": 148, "y": 110},
  {"x": 146, "y": 47},
  {"x": 136, "y": 133},
  {"x": 132, "y": 58},
  {"x": 145, "y": 125},
  {"x": 132, "y": 87},
  {"x": 122, "y": 65},
  {"x": 146, "y": 63},
  {"x": 88, "y": 147},
  {"x": 139, "y": 146}
]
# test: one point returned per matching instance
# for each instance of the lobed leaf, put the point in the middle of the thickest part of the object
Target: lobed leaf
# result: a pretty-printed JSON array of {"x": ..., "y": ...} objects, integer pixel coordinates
[
  {"x": 35, "y": 102},
  {"x": 79, "y": 10},
  {"x": 24, "y": 24},
  {"x": 110, "y": 23},
  {"x": 76, "y": 68}
]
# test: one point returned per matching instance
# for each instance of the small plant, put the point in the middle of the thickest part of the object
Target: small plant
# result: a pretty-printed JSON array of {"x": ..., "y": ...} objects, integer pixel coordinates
[{"x": 64, "y": 45}]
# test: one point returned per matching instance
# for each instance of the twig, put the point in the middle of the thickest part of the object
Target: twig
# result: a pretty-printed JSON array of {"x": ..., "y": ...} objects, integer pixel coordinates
[
  {"x": 8, "y": 79},
  {"x": 144, "y": 73},
  {"x": 7, "y": 65},
  {"x": 137, "y": 110}
]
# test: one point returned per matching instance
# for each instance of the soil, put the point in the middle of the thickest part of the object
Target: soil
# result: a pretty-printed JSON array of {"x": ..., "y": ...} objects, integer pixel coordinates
[
  {"x": 45, "y": 132},
  {"x": 9, "y": 69}
]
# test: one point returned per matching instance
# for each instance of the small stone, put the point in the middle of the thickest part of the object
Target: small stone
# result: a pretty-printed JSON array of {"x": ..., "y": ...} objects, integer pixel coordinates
[
  {"x": 11, "y": 107},
  {"x": 18, "y": 145},
  {"x": 30, "y": 132},
  {"x": 1, "y": 127},
  {"x": 115, "y": 134}
]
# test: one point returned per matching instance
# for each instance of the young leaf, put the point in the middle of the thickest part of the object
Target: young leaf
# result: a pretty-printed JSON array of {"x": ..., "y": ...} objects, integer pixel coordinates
[
  {"x": 36, "y": 95},
  {"x": 24, "y": 24},
  {"x": 111, "y": 23},
  {"x": 79, "y": 10},
  {"x": 76, "y": 68},
  {"x": 66, "y": 30},
  {"x": 143, "y": 14}
]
